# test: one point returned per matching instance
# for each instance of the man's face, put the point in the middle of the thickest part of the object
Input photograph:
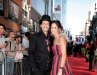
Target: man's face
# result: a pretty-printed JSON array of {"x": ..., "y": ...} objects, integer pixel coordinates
[
  {"x": 45, "y": 26},
  {"x": 12, "y": 34},
  {"x": 4, "y": 32},
  {"x": 1, "y": 30}
]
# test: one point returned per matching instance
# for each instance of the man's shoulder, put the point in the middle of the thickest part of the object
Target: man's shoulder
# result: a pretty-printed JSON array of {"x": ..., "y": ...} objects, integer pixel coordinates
[{"x": 36, "y": 34}]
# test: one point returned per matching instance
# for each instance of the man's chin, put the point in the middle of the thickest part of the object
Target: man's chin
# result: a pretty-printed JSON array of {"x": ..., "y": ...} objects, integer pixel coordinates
[{"x": 45, "y": 30}]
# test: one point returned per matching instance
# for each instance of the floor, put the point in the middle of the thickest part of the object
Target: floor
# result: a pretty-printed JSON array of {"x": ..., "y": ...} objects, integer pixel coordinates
[{"x": 80, "y": 66}]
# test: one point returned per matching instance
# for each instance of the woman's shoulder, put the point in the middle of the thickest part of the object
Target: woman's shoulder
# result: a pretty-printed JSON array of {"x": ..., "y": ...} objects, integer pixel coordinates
[{"x": 62, "y": 38}]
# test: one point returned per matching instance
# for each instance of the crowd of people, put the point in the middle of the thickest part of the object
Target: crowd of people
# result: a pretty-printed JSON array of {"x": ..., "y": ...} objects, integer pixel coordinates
[
  {"x": 10, "y": 45},
  {"x": 88, "y": 50},
  {"x": 41, "y": 53},
  {"x": 44, "y": 52}
]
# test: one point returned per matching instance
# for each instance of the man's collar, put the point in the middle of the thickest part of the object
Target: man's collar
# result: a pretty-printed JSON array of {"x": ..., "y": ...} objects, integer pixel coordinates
[
  {"x": 44, "y": 36},
  {"x": 1, "y": 36},
  {"x": 25, "y": 37}
]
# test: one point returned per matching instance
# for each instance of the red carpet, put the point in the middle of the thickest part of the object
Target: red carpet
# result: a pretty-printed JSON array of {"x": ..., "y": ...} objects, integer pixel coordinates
[{"x": 79, "y": 66}]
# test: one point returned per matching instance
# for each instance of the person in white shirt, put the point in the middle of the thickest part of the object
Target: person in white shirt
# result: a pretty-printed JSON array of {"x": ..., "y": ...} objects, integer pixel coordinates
[
  {"x": 25, "y": 44},
  {"x": 3, "y": 44}
]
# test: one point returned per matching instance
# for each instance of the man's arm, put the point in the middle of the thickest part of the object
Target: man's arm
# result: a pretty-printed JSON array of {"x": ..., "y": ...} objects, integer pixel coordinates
[
  {"x": 8, "y": 46},
  {"x": 32, "y": 44},
  {"x": 3, "y": 45}
]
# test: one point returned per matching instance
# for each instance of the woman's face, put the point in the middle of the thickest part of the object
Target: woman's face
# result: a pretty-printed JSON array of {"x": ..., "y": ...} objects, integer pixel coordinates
[
  {"x": 91, "y": 42},
  {"x": 54, "y": 29},
  {"x": 19, "y": 39}
]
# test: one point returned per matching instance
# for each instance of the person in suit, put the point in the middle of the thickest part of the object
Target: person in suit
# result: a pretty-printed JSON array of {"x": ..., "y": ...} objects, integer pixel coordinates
[{"x": 40, "y": 45}]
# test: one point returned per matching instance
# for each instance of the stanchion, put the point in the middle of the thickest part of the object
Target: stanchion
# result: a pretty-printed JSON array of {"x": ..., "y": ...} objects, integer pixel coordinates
[
  {"x": 21, "y": 64},
  {"x": 3, "y": 64}
]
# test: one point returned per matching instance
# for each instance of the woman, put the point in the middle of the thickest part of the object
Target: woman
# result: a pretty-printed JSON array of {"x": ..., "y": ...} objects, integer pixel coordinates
[
  {"x": 17, "y": 63},
  {"x": 18, "y": 42},
  {"x": 60, "y": 64}
]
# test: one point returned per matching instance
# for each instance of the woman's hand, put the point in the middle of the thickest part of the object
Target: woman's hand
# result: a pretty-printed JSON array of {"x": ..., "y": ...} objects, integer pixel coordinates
[
  {"x": 59, "y": 72},
  {"x": 19, "y": 51}
]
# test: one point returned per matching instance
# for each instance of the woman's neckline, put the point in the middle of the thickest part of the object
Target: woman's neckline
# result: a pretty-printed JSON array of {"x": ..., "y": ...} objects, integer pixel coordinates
[{"x": 56, "y": 44}]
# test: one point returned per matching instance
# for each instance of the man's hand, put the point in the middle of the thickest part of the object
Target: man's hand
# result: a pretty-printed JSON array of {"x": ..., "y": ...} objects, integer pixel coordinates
[
  {"x": 7, "y": 50},
  {"x": 32, "y": 69},
  {"x": 3, "y": 45}
]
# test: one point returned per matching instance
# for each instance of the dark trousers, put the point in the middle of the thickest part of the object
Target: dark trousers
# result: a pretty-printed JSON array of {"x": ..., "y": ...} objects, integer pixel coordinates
[
  {"x": 25, "y": 65},
  {"x": 90, "y": 62},
  {"x": 38, "y": 72},
  {"x": 17, "y": 68},
  {"x": 87, "y": 59},
  {"x": 75, "y": 53}
]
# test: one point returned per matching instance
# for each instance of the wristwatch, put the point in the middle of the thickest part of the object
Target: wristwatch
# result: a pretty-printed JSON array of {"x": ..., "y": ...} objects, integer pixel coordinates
[{"x": 61, "y": 67}]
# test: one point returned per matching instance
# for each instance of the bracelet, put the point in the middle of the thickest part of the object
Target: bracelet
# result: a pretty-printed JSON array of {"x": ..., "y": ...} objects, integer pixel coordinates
[{"x": 61, "y": 67}]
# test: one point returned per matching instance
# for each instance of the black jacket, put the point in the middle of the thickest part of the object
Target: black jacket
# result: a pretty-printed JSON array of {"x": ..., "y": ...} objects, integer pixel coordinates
[{"x": 38, "y": 53}]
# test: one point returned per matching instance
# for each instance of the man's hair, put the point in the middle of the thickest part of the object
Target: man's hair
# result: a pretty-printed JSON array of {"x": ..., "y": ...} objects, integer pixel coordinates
[
  {"x": 10, "y": 32},
  {"x": 3, "y": 26},
  {"x": 27, "y": 34}
]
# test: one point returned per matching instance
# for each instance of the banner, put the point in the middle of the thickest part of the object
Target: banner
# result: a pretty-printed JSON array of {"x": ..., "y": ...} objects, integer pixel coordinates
[
  {"x": 24, "y": 18},
  {"x": 2, "y": 7},
  {"x": 57, "y": 9},
  {"x": 13, "y": 11}
]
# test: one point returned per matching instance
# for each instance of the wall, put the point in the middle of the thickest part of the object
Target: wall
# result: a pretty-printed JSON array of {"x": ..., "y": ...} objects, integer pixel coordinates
[
  {"x": 35, "y": 15},
  {"x": 39, "y": 6},
  {"x": 10, "y": 24}
]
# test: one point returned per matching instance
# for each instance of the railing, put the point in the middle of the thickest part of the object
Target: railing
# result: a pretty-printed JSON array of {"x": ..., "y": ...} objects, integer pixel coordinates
[
  {"x": 23, "y": 64},
  {"x": 3, "y": 63}
]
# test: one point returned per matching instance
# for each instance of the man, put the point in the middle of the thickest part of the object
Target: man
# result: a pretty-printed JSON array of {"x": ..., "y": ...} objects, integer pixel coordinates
[
  {"x": 3, "y": 44},
  {"x": 25, "y": 40},
  {"x": 11, "y": 49},
  {"x": 25, "y": 44},
  {"x": 40, "y": 53}
]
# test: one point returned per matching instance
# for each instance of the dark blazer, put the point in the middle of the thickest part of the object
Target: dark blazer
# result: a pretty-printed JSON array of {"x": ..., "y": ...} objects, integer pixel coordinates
[{"x": 38, "y": 53}]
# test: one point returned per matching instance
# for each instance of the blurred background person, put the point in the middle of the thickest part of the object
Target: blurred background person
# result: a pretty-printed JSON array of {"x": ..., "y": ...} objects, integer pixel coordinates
[
  {"x": 91, "y": 55},
  {"x": 25, "y": 44},
  {"x": 17, "y": 63},
  {"x": 3, "y": 44},
  {"x": 11, "y": 49}
]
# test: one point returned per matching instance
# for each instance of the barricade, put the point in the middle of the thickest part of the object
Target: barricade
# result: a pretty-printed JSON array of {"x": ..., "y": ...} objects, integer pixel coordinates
[
  {"x": 20, "y": 67},
  {"x": 3, "y": 64}
]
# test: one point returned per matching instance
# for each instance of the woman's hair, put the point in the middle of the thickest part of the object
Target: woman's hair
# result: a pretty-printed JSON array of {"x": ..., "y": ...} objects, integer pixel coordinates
[
  {"x": 57, "y": 22},
  {"x": 18, "y": 36}
]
